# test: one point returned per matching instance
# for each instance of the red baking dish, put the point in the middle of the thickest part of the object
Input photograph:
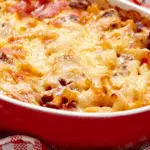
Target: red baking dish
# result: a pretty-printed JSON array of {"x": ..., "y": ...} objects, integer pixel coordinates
[{"x": 75, "y": 129}]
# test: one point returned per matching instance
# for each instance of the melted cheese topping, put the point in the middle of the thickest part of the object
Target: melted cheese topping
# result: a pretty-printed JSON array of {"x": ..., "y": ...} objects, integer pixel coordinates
[{"x": 73, "y": 57}]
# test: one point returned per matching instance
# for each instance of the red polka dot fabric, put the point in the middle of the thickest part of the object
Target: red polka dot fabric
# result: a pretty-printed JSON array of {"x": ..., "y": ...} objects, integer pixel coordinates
[{"x": 19, "y": 142}]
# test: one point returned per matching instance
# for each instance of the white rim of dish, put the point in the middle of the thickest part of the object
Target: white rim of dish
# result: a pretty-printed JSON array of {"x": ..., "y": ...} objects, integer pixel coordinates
[
  {"x": 83, "y": 114},
  {"x": 74, "y": 114},
  {"x": 142, "y": 10}
]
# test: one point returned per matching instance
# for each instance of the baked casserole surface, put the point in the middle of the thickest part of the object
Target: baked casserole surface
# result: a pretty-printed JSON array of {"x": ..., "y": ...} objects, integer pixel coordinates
[{"x": 74, "y": 56}]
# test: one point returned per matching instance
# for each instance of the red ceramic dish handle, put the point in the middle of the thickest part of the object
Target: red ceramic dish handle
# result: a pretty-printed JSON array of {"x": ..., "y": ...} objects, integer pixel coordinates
[{"x": 140, "y": 3}]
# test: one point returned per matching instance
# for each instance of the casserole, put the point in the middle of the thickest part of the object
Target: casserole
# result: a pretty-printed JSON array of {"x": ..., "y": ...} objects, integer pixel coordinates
[{"x": 76, "y": 129}]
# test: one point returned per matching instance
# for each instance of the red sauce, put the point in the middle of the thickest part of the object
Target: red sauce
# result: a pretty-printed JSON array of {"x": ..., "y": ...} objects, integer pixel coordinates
[
  {"x": 23, "y": 8},
  {"x": 144, "y": 61}
]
